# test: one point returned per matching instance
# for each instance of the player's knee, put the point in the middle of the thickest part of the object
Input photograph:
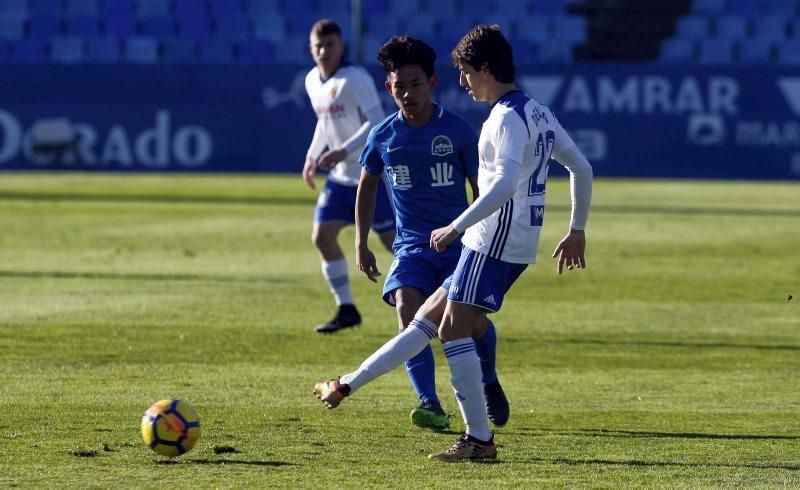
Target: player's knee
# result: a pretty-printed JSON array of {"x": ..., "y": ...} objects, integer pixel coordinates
[{"x": 321, "y": 239}]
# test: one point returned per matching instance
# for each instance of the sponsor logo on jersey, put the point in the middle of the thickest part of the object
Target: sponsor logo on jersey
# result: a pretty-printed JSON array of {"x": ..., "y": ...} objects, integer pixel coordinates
[{"x": 441, "y": 146}]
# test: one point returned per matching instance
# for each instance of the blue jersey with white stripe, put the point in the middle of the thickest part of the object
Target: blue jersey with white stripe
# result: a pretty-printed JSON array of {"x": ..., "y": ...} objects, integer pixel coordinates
[{"x": 427, "y": 167}]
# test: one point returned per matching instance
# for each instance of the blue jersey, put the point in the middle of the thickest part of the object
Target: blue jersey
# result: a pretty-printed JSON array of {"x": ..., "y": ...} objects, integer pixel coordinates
[{"x": 427, "y": 168}]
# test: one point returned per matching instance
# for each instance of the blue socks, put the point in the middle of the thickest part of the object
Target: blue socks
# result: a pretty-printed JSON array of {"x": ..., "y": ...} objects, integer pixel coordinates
[{"x": 486, "y": 347}]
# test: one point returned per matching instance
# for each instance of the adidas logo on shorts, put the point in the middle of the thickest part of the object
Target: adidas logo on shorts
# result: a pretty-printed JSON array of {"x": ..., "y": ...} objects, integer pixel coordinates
[{"x": 490, "y": 299}]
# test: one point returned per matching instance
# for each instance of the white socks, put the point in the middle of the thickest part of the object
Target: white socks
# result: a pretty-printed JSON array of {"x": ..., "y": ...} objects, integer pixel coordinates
[
  {"x": 335, "y": 273},
  {"x": 465, "y": 372},
  {"x": 395, "y": 352}
]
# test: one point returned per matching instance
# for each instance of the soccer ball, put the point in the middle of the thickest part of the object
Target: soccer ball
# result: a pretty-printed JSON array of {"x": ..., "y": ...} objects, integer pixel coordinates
[{"x": 170, "y": 427}]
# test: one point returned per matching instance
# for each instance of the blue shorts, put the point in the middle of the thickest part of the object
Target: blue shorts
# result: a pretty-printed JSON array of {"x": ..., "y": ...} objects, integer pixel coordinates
[
  {"x": 420, "y": 267},
  {"x": 481, "y": 281},
  {"x": 337, "y": 202}
]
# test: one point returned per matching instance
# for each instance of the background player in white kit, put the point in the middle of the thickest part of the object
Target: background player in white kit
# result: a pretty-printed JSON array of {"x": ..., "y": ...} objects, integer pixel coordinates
[
  {"x": 502, "y": 226},
  {"x": 347, "y": 107}
]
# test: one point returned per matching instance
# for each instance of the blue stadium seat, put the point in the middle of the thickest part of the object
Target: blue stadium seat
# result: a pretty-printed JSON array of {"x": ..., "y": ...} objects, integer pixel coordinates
[
  {"x": 755, "y": 51},
  {"x": 524, "y": 50},
  {"x": 692, "y": 27},
  {"x": 80, "y": 8},
  {"x": 269, "y": 26},
  {"x": 260, "y": 8},
  {"x": 44, "y": 26},
  {"x": 572, "y": 29},
  {"x": 11, "y": 29},
  {"x": 141, "y": 50},
  {"x": 306, "y": 7},
  {"x": 182, "y": 9},
  {"x": 550, "y": 7},
  {"x": 223, "y": 8},
  {"x": 292, "y": 49},
  {"x": 708, "y": 8},
  {"x": 47, "y": 7},
  {"x": 422, "y": 26},
  {"x": 770, "y": 27},
  {"x": 117, "y": 7},
  {"x": 400, "y": 8},
  {"x": 197, "y": 28},
  {"x": 375, "y": 26},
  {"x": 341, "y": 8},
  {"x": 231, "y": 27},
  {"x": 371, "y": 44},
  {"x": 152, "y": 8},
  {"x": 29, "y": 51},
  {"x": 455, "y": 27},
  {"x": 519, "y": 8},
  {"x": 788, "y": 53},
  {"x": 120, "y": 24},
  {"x": 715, "y": 52},
  {"x": 554, "y": 52},
  {"x": 794, "y": 28},
  {"x": 747, "y": 8},
  {"x": 442, "y": 9},
  {"x": 369, "y": 7},
  {"x": 179, "y": 51},
  {"x": 158, "y": 27},
  {"x": 786, "y": 8},
  {"x": 66, "y": 50},
  {"x": 299, "y": 24},
  {"x": 85, "y": 27},
  {"x": 5, "y": 52},
  {"x": 102, "y": 50},
  {"x": 731, "y": 27},
  {"x": 443, "y": 46},
  {"x": 254, "y": 51},
  {"x": 536, "y": 29},
  {"x": 217, "y": 51},
  {"x": 677, "y": 50},
  {"x": 13, "y": 9}
]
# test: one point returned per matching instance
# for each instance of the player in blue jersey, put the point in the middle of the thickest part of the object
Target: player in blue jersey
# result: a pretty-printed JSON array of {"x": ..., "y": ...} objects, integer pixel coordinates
[
  {"x": 428, "y": 154},
  {"x": 347, "y": 106},
  {"x": 501, "y": 234}
]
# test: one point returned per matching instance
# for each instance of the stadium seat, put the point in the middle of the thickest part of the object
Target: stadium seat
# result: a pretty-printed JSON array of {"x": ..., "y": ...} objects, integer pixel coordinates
[
  {"x": 380, "y": 25},
  {"x": 732, "y": 27},
  {"x": 179, "y": 51},
  {"x": 254, "y": 51},
  {"x": 442, "y": 9},
  {"x": 677, "y": 50},
  {"x": 794, "y": 28},
  {"x": 80, "y": 8},
  {"x": 536, "y": 29},
  {"x": 47, "y": 7},
  {"x": 66, "y": 50},
  {"x": 692, "y": 27},
  {"x": 121, "y": 25},
  {"x": 755, "y": 51},
  {"x": 152, "y": 8},
  {"x": 86, "y": 27},
  {"x": 217, "y": 51},
  {"x": 369, "y": 8},
  {"x": 554, "y": 52},
  {"x": 197, "y": 28},
  {"x": 157, "y": 27},
  {"x": 788, "y": 53},
  {"x": 747, "y": 8},
  {"x": 772, "y": 28},
  {"x": 292, "y": 49},
  {"x": 141, "y": 50},
  {"x": 5, "y": 52},
  {"x": 231, "y": 27},
  {"x": 13, "y": 9},
  {"x": 102, "y": 50},
  {"x": 301, "y": 7},
  {"x": 270, "y": 27},
  {"x": 524, "y": 50},
  {"x": 29, "y": 51},
  {"x": 259, "y": 8},
  {"x": 519, "y": 8},
  {"x": 117, "y": 7},
  {"x": 549, "y": 7},
  {"x": 708, "y": 8},
  {"x": 421, "y": 26},
  {"x": 299, "y": 24},
  {"x": 787, "y": 8},
  {"x": 400, "y": 8},
  {"x": 715, "y": 52},
  {"x": 572, "y": 29},
  {"x": 341, "y": 8},
  {"x": 44, "y": 26},
  {"x": 455, "y": 27},
  {"x": 11, "y": 29},
  {"x": 183, "y": 9},
  {"x": 225, "y": 8}
]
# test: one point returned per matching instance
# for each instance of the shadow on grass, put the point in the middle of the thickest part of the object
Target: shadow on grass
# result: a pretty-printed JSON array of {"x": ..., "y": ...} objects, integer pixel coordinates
[
  {"x": 693, "y": 345},
  {"x": 225, "y": 462},
  {"x": 660, "y": 435},
  {"x": 639, "y": 463},
  {"x": 138, "y": 277}
]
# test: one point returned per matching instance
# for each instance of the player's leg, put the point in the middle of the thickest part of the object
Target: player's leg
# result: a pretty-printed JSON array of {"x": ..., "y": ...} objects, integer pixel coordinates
[
  {"x": 333, "y": 212},
  {"x": 421, "y": 368}
]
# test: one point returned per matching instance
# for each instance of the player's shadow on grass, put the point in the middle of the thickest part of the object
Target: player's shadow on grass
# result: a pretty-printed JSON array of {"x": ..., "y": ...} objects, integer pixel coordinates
[
  {"x": 227, "y": 462},
  {"x": 640, "y": 463}
]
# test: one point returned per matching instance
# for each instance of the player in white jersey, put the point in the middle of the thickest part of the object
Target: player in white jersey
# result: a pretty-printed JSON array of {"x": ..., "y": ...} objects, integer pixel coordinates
[
  {"x": 347, "y": 107},
  {"x": 502, "y": 228}
]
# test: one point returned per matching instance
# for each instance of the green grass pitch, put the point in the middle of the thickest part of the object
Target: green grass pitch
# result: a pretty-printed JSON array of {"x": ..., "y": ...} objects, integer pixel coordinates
[{"x": 673, "y": 360}]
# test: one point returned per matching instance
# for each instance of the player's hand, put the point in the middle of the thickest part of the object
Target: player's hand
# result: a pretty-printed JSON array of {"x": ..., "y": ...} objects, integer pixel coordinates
[
  {"x": 365, "y": 261},
  {"x": 571, "y": 250},
  {"x": 309, "y": 169},
  {"x": 330, "y": 158},
  {"x": 442, "y": 237}
]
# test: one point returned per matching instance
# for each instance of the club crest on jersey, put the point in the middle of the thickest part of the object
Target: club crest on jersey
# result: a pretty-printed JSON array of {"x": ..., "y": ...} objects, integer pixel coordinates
[{"x": 441, "y": 146}]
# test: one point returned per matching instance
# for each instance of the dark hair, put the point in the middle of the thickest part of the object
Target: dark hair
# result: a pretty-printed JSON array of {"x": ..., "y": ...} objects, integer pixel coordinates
[
  {"x": 486, "y": 46},
  {"x": 325, "y": 27},
  {"x": 403, "y": 50}
]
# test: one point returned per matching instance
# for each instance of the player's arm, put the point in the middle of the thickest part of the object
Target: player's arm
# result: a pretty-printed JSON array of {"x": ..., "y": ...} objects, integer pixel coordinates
[
  {"x": 571, "y": 249},
  {"x": 314, "y": 150},
  {"x": 365, "y": 211}
]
